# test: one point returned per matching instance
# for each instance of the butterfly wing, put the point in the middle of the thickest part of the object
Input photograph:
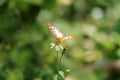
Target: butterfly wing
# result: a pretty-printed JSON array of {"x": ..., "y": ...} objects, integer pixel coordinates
[
  {"x": 67, "y": 38},
  {"x": 56, "y": 33}
]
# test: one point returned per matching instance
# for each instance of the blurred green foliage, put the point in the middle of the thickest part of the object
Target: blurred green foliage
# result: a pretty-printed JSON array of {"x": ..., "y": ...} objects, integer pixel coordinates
[{"x": 93, "y": 54}]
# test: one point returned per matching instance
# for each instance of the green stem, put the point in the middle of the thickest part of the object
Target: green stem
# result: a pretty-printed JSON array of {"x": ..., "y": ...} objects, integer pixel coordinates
[{"x": 59, "y": 60}]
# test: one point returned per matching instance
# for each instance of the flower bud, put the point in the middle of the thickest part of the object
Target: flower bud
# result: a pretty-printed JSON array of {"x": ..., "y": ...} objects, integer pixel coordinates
[{"x": 68, "y": 70}]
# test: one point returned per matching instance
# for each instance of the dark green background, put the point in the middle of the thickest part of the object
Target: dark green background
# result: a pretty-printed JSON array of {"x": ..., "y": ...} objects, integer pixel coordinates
[{"x": 93, "y": 54}]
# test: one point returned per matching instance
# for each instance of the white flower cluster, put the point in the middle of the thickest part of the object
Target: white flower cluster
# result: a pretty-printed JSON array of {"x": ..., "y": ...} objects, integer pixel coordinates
[{"x": 57, "y": 47}]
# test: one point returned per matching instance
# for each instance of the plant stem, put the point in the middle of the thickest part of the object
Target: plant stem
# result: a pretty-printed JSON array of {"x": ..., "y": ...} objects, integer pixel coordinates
[{"x": 59, "y": 60}]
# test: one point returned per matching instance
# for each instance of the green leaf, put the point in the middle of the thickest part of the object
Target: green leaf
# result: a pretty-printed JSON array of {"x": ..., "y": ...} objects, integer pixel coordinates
[
  {"x": 61, "y": 73},
  {"x": 56, "y": 77}
]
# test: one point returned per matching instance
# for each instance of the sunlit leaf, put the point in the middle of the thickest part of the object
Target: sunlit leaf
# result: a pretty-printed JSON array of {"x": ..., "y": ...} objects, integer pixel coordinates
[
  {"x": 62, "y": 74},
  {"x": 56, "y": 77}
]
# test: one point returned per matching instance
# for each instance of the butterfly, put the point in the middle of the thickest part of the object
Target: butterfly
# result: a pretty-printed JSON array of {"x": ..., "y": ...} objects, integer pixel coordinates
[{"x": 57, "y": 34}]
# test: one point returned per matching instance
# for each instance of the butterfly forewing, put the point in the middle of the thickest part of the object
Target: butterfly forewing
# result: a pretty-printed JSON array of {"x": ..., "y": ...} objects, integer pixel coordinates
[{"x": 56, "y": 33}]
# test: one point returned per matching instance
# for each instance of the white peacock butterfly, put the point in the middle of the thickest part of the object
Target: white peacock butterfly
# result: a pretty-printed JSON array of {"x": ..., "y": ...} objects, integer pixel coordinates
[{"x": 57, "y": 34}]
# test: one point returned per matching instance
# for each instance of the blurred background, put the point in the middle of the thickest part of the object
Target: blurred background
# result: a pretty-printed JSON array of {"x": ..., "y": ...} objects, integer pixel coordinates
[{"x": 93, "y": 54}]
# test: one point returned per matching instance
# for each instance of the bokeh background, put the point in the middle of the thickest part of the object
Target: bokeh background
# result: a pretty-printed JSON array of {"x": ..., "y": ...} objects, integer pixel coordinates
[{"x": 93, "y": 54}]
